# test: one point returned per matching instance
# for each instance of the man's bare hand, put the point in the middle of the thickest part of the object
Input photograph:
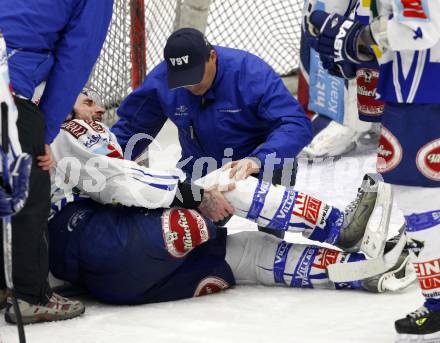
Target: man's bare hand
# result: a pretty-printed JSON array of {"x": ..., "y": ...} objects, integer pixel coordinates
[
  {"x": 241, "y": 169},
  {"x": 214, "y": 205},
  {"x": 45, "y": 161}
]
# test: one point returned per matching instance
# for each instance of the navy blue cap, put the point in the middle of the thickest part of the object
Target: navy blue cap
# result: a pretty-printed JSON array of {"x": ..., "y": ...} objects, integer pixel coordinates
[{"x": 186, "y": 53}]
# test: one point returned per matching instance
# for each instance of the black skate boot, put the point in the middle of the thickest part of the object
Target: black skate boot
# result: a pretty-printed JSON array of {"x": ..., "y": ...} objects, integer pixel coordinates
[
  {"x": 357, "y": 214},
  {"x": 422, "y": 325}
]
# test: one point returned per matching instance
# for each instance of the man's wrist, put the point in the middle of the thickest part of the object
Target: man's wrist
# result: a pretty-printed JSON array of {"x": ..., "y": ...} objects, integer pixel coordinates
[
  {"x": 255, "y": 159},
  {"x": 189, "y": 196}
]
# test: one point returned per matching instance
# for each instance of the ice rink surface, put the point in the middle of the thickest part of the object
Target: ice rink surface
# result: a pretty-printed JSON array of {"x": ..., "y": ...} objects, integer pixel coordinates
[{"x": 248, "y": 314}]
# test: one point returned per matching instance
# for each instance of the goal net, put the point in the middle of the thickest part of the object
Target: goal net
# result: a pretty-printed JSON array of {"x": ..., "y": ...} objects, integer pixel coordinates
[{"x": 139, "y": 29}]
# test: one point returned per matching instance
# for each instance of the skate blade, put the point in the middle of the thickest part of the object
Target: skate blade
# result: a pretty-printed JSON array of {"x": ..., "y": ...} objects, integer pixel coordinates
[
  {"x": 373, "y": 242},
  {"x": 429, "y": 338}
]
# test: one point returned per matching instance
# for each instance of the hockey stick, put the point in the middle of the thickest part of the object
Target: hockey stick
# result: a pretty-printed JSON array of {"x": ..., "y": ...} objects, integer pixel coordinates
[{"x": 7, "y": 227}]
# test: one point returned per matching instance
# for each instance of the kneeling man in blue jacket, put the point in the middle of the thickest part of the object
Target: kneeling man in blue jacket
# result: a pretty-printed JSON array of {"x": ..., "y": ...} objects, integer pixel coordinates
[{"x": 229, "y": 107}]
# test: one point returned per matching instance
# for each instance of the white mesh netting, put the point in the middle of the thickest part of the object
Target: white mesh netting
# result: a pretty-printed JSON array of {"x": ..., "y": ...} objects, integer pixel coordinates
[{"x": 267, "y": 28}]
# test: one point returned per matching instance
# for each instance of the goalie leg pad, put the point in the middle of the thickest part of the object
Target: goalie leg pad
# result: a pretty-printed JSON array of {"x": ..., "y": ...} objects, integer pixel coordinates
[
  {"x": 278, "y": 208},
  {"x": 258, "y": 258}
]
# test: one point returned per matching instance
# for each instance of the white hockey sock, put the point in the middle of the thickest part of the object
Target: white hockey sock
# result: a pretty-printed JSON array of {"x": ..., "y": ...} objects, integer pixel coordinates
[{"x": 259, "y": 258}]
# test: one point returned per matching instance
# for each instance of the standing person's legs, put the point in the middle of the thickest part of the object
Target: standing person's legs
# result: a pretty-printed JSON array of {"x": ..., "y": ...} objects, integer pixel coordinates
[
  {"x": 410, "y": 159},
  {"x": 29, "y": 237},
  {"x": 29, "y": 228}
]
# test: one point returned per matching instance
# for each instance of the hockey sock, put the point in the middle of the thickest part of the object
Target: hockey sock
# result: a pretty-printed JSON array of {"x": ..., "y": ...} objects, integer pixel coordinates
[
  {"x": 258, "y": 258},
  {"x": 423, "y": 232}
]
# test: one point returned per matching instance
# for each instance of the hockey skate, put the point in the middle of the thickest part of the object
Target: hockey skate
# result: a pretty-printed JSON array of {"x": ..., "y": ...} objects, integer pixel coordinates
[
  {"x": 422, "y": 325},
  {"x": 356, "y": 231},
  {"x": 334, "y": 140},
  {"x": 58, "y": 308},
  {"x": 400, "y": 276},
  {"x": 385, "y": 267}
]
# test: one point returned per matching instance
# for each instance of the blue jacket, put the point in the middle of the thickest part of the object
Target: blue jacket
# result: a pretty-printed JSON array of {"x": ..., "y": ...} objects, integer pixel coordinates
[
  {"x": 248, "y": 109},
  {"x": 54, "y": 41}
]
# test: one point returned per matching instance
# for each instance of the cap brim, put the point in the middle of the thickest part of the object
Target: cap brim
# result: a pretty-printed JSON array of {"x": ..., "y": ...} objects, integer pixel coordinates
[{"x": 185, "y": 78}]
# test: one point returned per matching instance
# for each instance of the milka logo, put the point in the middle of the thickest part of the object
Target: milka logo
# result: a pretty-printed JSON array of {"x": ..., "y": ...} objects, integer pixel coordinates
[
  {"x": 179, "y": 60},
  {"x": 339, "y": 42}
]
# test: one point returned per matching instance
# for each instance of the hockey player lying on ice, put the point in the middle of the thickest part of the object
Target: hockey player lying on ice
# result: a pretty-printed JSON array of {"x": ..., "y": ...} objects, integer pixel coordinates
[{"x": 122, "y": 233}]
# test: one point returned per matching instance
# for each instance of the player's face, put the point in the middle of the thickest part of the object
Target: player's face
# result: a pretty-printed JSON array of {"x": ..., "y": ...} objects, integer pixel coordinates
[
  {"x": 86, "y": 109},
  {"x": 208, "y": 78}
]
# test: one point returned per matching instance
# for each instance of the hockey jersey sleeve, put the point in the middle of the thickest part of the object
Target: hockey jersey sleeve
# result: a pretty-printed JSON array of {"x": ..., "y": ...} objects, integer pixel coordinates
[
  {"x": 290, "y": 127},
  {"x": 75, "y": 55},
  {"x": 411, "y": 25},
  {"x": 89, "y": 158}
]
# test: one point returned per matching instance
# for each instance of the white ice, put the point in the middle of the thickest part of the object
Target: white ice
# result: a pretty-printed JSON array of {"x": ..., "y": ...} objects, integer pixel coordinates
[{"x": 248, "y": 314}]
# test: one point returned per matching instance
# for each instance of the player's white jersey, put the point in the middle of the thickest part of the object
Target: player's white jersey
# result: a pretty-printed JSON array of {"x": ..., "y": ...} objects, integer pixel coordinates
[
  {"x": 89, "y": 163},
  {"x": 410, "y": 67}
]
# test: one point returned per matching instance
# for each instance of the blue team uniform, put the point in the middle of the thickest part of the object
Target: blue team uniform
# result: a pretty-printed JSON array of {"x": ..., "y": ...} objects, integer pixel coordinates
[
  {"x": 130, "y": 255},
  {"x": 409, "y": 147},
  {"x": 247, "y": 109},
  {"x": 48, "y": 49},
  {"x": 409, "y": 152}
]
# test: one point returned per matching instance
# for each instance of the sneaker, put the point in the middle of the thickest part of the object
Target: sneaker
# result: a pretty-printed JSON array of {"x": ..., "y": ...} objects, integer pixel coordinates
[
  {"x": 357, "y": 214},
  {"x": 422, "y": 325},
  {"x": 58, "y": 308}
]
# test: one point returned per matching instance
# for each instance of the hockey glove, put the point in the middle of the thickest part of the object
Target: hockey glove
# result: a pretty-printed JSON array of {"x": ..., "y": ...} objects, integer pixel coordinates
[
  {"x": 13, "y": 197},
  {"x": 343, "y": 69},
  {"x": 337, "y": 37}
]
